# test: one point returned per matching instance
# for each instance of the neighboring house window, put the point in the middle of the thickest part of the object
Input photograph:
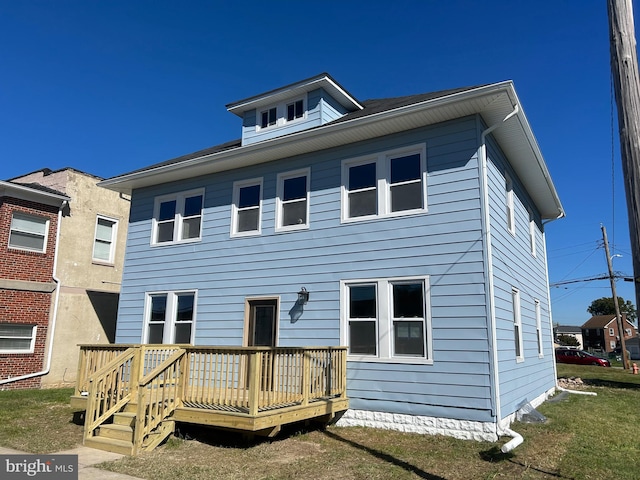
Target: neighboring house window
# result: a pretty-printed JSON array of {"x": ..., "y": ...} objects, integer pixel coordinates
[
  {"x": 517, "y": 324},
  {"x": 293, "y": 200},
  {"x": 170, "y": 317},
  {"x": 178, "y": 218},
  {"x": 17, "y": 338},
  {"x": 627, "y": 332},
  {"x": 104, "y": 243},
  {"x": 246, "y": 212},
  {"x": 511, "y": 221},
  {"x": 390, "y": 183},
  {"x": 268, "y": 118},
  {"x": 538, "y": 327},
  {"x": 532, "y": 233},
  {"x": 28, "y": 232},
  {"x": 387, "y": 319},
  {"x": 612, "y": 344},
  {"x": 295, "y": 110},
  {"x": 612, "y": 332}
]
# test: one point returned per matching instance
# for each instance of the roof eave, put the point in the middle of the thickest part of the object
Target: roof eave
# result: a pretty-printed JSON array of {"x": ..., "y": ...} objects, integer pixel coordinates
[{"x": 8, "y": 189}]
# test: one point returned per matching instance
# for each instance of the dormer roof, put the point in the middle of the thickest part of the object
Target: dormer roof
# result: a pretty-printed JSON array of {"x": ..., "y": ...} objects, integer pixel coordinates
[{"x": 323, "y": 80}]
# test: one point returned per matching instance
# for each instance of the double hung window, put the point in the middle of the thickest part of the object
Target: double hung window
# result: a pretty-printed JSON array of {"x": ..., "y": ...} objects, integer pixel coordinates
[
  {"x": 247, "y": 208},
  {"x": 387, "y": 320},
  {"x": 293, "y": 200},
  {"x": 105, "y": 239},
  {"x": 178, "y": 218},
  {"x": 170, "y": 317},
  {"x": 17, "y": 338},
  {"x": 538, "y": 327},
  {"x": 28, "y": 232},
  {"x": 517, "y": 324},
  {"x": 387, "y": 184},
  {"x": 511, "y": 220}
]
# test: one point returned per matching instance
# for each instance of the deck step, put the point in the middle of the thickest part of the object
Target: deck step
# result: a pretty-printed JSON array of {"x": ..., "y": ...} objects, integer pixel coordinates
[
  {"x": 124, "y": 418},
  {"x": 110, "y": 445},
  {"x": 116, "y": 432}
]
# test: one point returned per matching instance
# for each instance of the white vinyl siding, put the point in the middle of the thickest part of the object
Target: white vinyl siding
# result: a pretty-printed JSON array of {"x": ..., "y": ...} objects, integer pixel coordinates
[
  {"x": 28, "y": 232},
  {"x": 17, "y": 338},
  {"x": 177, "y": 218},
  {"x": 104, "y": 243}
]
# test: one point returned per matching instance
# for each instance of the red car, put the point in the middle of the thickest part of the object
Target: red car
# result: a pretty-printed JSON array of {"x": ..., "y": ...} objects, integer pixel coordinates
[{"x": 578, "y": 357}]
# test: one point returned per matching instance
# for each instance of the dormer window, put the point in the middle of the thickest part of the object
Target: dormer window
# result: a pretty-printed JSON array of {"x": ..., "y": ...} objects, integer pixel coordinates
[
  {"x": 268, "y": 118},
  {"x": 295, "y": 110}
]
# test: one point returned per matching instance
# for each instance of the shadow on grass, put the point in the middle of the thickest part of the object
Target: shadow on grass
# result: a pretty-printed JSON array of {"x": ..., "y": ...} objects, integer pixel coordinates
[
  {"x": 385, "y": 456},
  {"x": 597, "y": 382},
  {"x": 495, "y": 455}
]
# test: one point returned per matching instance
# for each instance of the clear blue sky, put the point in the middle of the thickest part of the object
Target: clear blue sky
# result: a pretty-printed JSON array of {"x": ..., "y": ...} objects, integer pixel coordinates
[{"x": 112, "y": 86}]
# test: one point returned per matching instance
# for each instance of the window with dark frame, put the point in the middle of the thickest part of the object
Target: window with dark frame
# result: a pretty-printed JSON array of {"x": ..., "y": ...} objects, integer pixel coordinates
[
  {"x": 295, "y": 110},
  {"x": 268, "y": 118}
]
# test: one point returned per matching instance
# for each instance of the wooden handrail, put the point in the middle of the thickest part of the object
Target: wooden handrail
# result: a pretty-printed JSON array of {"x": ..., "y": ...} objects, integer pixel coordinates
[{"x": 158, "y": 370}]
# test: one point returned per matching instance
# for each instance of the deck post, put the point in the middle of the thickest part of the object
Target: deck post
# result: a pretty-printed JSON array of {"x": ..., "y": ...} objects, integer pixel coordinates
[
  {"x": 306, "y": 376},
  {"x": 255, "y": 363},
  {"x": 183, "y": 380},
  {"x": 343, "y": 373},
  {"x": 82, "y": 365}
]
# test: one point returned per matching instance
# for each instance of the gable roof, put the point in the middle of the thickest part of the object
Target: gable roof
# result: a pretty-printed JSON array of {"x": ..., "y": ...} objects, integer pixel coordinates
[
  {"x": 494, "y": 102},
  {"x": 602, "y": 321},
  {"x": 572, "y": 329}
]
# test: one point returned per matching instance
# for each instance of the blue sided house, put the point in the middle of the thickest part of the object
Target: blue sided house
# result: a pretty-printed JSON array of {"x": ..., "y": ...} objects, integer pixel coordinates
[{"x": 409, "y": 230}]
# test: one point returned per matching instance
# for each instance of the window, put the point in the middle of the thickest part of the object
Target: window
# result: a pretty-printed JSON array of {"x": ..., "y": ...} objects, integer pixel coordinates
[
  {"x": 532, "y": 233},
  {"x": 246, "y": 210},
  {"x": 293, "y": 200},
  {"x": 177, "y": 218},
  {"x": 104, "y": 244},
  {"x": 390, "y": 183},
  {"x": 268, "y": 118},
  {"x": 295, "y": 110},
  {"x": 539, "y": 327},
  {"x": 511, "y": 221},
  {"x": 517, "y": 324},
  {"x": 627, "y": 332},
  {"x": 170, "y": 317},
  {"x": 387, "y": 320},
  {"x": 612, "y": 332},
  {"x": 28, "y": 232},
  {"x": 17, "y": 338},
  {"x": 612, "y": 344}
]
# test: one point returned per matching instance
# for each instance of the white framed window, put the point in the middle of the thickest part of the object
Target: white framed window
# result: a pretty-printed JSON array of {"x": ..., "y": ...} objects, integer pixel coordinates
[
  {"x": 511, "y": 220},
  {"x": 612, "y": 344},
  {"x": 15, "y": 338},
  {"x": 177, "y": 218},
  {"x": 517, "y": 324},
  {"x": 612, "y": 332},
  {"x": 627, "y": 332},
  {"x": 387, "y": 184},
  {"x": 387, "y": 320},
  {"x": 170, "y": 317},
  {"x": 104, "y": 240},
  {"x": 538, "y": 313},
  {"x": 532, "y": 233},
  {"x": 292, "y": 202},
  {"x": 28, "y": 232},
  {"x": 295, "y": 110},
  {"x": 246, "y": 213},
  {"x": 268, "y": 117}
]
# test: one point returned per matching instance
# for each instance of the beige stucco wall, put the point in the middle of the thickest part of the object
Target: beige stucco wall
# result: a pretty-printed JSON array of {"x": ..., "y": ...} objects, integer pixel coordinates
[{"x": 88, "y": 295}]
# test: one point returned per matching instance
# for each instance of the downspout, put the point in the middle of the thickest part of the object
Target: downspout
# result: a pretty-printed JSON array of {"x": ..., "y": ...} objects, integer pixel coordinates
[
  {"x": 52, "y": 329},
  {"x": 489, "y": 252}
]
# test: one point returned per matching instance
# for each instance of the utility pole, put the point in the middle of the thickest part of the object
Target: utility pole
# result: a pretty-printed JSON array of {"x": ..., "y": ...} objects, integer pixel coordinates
[
  {"x": 624, "y": 67},
  {"x": 625, "y": 360}
]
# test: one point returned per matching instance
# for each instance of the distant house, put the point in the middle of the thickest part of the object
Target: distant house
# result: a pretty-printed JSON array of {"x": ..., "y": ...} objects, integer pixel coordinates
[
  {"x": 29, "y": 228},
  {"x": 600, "y": 332},
  {"x": 415, "y": 225},
  {"x": 570, "y": 331},
  {"x": 88, "y": 267}
]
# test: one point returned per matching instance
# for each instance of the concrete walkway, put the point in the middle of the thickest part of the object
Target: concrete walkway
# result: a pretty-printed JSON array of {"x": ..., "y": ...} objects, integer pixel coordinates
[{"x": 87, "y": 457}]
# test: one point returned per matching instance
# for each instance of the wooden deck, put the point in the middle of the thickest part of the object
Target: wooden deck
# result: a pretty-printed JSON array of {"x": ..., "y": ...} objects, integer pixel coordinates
[{"x": 134, "y": 394}]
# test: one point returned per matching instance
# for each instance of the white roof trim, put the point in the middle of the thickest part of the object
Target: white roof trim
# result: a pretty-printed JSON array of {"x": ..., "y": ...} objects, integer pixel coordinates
[{"x": 9, "y": 189}]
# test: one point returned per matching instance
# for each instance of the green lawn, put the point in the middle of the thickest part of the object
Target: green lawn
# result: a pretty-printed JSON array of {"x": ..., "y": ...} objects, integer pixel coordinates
[{"x": 585, "y": 437}]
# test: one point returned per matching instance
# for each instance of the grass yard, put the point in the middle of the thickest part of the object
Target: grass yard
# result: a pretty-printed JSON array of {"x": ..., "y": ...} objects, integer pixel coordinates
[{"x": 584, "y": 438}]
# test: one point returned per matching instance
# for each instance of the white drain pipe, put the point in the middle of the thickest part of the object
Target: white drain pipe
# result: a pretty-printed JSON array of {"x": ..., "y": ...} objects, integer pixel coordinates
[{"x": 514, "y": 442}]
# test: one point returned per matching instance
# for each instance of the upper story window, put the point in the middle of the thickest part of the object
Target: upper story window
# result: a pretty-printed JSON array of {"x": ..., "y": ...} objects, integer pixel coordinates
[
  {"x": 295, "y": 110},
  {"x": 538, "y": 313},
  {"x": 104, "y": 243},
  {"x": 387, "y": 320},
  {"x": 177, "y": 218},
  {"x": 292, "y": 201},
  {"x": 247, "y": 207},
  {"x": 170, "y": 317},
  {"x": 28, "y": 232},
  {"x": 511, "y": 220},
  {"x": 15, "y": 338},
  {"x": 532, "y": 233},
  {"x": 388, "y": 184},
  {"x": 268, "y": 118},
  {"x": 612, "y": 332}
]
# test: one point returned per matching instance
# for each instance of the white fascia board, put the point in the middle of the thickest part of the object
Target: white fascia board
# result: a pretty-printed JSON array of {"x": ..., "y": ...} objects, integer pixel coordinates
[{"x": 8, "y": 189}]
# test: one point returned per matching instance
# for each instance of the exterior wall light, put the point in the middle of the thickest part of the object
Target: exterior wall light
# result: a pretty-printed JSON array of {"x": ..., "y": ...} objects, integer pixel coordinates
[{"x": 303, "y": 296}]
